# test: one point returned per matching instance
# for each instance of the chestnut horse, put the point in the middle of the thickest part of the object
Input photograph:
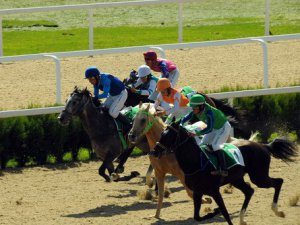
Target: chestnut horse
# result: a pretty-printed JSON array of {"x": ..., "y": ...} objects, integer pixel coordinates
[{"x": 146, "y": 124}]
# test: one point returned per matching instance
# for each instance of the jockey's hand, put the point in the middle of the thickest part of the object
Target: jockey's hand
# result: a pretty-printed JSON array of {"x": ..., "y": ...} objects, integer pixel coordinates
[
  {"x": 160, "y": 113},
  {"x": 190, "y": 134},
  {"x": 96, "y": 101},
  {"x": 133, "y": 90}
]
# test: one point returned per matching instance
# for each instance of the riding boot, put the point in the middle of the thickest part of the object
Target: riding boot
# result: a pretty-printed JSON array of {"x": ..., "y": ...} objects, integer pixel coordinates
[
  {"x": 222, "y": 164},
  {"x": 126, "y": 123}
]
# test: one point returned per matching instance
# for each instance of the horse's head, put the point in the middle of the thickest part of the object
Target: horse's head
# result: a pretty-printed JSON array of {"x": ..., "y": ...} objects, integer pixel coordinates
[
  {"x": 143, "y": 122},
  {"x": 173, "y": 137},
  {"x": 74, "y": 105}
]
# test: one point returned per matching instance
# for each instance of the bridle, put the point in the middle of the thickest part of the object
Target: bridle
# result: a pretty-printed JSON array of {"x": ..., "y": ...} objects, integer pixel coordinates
[
  {"x": 70, "y": 113},
  {"x": 149, "y": 123}
]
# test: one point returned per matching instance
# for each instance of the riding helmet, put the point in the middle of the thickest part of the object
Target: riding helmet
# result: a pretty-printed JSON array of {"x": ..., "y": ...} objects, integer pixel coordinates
[
  {"x": 196, "y": 100},
  {"x": 92, "y": 72},
  {"x": 144, "y": 71},
  {"x": 150, "y": 55},
  {"x": 163, "y": 84}
]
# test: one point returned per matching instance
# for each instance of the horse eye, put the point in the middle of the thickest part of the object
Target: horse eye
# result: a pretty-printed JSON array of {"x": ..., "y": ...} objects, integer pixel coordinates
[{"x": 143, "y": 121}]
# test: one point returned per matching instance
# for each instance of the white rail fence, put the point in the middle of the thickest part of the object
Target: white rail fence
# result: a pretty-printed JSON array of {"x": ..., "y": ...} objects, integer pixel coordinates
[
  {"x": 56, "y": 56},
  {"x": 91, "y": 7},
  {"x": 235, "y": 94}
]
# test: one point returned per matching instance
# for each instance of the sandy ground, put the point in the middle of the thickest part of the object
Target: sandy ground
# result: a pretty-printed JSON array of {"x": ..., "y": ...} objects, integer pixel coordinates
[
  {"x": 207, "y": 69},
  {"x": 78, "y": 195}
]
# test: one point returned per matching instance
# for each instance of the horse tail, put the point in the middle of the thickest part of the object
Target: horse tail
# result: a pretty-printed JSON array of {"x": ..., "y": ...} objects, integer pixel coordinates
[{"x": 283, "y": 149}]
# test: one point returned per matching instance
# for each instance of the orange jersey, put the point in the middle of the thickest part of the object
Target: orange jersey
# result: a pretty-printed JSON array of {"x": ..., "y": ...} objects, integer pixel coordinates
[{"x": 174, "y": 96}]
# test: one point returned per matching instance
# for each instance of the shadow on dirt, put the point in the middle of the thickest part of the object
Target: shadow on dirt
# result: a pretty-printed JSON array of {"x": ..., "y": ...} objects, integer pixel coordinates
[{"x": 115, "y": 210}]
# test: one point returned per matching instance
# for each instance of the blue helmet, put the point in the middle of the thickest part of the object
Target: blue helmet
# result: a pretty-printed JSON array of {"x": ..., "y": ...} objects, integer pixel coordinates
[{"x": 92, "y": 72}]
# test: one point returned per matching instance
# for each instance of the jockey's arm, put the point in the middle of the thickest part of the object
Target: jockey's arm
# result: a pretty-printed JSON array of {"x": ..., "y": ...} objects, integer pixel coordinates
[
  {"x": 150, "y": 90},
  {"x": 186, "y": 118},
  {"x": 210, "y": 123},
  {"x": 137, "y": 83},
  {"x": 164, "y": 70},
  {"x": 106, "y": 88}
]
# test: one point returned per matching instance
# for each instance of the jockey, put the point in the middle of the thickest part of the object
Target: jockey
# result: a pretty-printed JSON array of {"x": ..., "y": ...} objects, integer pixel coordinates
[
  {"x": 217, "y": 131},
  {"x": 146, "y": 83},
  {"x": 167, "y": 68},
  {"x": 113, "y": 90},
  {"x": 170, "y": 96}
]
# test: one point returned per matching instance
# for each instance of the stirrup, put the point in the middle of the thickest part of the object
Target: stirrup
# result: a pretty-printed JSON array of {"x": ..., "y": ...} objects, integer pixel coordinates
[{"x": 223, "y": 173}]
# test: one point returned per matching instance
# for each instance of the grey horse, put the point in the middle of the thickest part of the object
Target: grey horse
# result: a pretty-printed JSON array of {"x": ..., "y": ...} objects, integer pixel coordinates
[{"x": 101, "y": 130}]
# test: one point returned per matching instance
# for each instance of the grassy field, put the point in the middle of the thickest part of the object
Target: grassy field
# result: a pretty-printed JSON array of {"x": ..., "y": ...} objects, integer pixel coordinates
[{"x": 131, "y": 26}]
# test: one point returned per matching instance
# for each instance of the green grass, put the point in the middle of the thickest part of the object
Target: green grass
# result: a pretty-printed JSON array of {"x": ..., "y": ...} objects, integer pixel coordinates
[{"x": 30, "y": 41}]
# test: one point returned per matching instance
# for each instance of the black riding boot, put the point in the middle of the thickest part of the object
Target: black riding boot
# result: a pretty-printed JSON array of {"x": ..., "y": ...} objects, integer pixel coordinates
[
  {"x": 123, "y": 119},
  {"x": 222, "y": 164}
]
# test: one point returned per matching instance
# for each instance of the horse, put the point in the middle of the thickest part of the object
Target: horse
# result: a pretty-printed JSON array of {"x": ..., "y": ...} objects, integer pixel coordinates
[
  {"x": 101, "y": 129},
  {"x": 197, "y": 168},
  {"x": 146, "y": 124}
]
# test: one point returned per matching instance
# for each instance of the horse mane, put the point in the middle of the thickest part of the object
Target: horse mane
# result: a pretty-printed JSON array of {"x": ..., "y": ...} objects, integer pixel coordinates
[
  {"x": 149, "y": 107},
  {"x": 83, "y": 91}
]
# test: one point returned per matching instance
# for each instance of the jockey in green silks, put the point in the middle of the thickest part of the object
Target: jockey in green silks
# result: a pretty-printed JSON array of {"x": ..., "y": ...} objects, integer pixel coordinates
[{"x": 217, "y": 131}]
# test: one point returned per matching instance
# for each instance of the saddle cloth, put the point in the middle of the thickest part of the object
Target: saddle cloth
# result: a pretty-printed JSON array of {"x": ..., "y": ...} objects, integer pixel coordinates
[{"x": 232, "y": 154}]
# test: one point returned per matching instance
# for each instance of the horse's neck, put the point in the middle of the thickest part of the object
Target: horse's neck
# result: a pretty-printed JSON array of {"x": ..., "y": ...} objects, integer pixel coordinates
[
  {"x": 188, "y": 156},
  {"x": 93, "y": 121},
  {"x": 153, "y": 135}
]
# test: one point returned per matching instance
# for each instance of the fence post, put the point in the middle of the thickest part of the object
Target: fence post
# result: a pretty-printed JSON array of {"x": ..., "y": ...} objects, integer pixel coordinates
[
  {"x": 58, "y": 77},
  {"x": 265, "y": 56},
  {"x": 91, "y": 30},
  {"x": 1, "y": 37}
]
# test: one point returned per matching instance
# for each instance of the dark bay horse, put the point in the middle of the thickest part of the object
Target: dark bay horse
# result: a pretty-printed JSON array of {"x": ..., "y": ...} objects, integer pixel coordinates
[
  {"x": 100, "y": 127},
  {"x": 197, "y": 168}
]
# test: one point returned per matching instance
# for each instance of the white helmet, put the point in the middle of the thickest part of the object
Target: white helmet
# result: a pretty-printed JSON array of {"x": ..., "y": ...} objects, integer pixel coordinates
[{"x": 143, "y": 71}]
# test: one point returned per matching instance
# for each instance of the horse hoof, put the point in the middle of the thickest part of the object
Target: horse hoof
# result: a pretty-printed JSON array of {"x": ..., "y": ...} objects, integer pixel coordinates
[
  {"x": 114, "y": 176},
  {"x": 120, "y": 169}
]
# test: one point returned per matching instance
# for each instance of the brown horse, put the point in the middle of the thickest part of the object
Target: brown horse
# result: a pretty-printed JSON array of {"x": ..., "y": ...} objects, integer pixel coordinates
[{"x": 146, "y": 124}]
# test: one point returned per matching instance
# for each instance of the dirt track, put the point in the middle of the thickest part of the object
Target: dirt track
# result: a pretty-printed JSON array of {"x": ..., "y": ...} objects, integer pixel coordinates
[
  {"x": 77, "y": 195},
  {"x": 207, "y": 69}
]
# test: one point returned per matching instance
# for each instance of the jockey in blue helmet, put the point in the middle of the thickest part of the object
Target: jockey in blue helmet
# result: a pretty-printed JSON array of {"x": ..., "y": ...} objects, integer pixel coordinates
[{"x": 112, "y": 89}]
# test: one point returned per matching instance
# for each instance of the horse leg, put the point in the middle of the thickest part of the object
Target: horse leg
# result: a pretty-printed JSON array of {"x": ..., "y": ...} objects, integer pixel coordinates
[
  {"x": 259, "y": 175},
  {"x": 160, "y": 178},
  {"x": 197, "y": 197},
  {"x": 267, "y": 182},
  {"x": 101, "y": 172},
  {"x": 219, "y": 200},
  {"x": 148, "y": 176},
  {"x": 122, "y": 160},
  {"x": 181, "y": 177},
  {"x": 248, "y": 192},
  {"x": 107, "y": 164}
]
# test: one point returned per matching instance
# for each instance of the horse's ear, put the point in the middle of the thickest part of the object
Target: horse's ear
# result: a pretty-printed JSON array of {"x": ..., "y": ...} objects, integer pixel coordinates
[
  {"x": 140, "y": 104},
  {"x": 175, "y": 124},
  {"x": 148, "y": 107},
  {"x": 173, "y": 120}
]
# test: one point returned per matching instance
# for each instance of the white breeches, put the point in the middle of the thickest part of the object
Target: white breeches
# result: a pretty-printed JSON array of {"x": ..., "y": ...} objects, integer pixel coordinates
[
  {"x": 173, "y": 77},
  {"x": 116, "y": 103},
  {"x": 217, "y": 138}
]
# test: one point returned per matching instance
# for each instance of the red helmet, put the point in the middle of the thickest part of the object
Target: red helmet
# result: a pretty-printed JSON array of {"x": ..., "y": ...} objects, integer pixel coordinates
[{"x": 150, "y": 55}]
